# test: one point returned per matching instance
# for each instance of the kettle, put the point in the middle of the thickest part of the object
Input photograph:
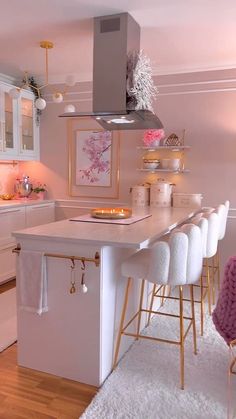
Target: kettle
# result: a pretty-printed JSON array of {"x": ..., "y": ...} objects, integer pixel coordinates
[
  {"x": 23, "y": 187},
  {"x": 160, "y": 193}
]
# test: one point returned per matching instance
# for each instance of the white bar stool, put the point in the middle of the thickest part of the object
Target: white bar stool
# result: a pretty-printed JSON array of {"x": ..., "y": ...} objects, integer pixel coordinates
[
  {"x": 208, "y": 222},
  {"x": 222, "y": 212},
  {"x": 176, "y": 263},
  {"x": 211, "y": 250}
]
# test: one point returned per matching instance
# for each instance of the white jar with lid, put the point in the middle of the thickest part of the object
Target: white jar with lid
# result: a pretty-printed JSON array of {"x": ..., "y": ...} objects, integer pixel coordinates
[
  {"x": 140, "y": 195},
  {"x": 160, "y": 194}
]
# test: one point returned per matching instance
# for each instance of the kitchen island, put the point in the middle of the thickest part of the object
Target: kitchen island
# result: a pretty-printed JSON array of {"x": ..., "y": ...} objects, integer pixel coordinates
[{"x": 75, "y": 338}]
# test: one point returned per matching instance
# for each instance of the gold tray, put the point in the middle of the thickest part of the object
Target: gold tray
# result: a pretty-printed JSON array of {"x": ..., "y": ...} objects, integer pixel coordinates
[
  {"x": 111, "y": 213},
  {"x": 7, "y": 196}
]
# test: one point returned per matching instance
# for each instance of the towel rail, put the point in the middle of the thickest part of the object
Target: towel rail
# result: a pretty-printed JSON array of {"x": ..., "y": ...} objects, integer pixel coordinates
[{"x": 83, "y": 259}]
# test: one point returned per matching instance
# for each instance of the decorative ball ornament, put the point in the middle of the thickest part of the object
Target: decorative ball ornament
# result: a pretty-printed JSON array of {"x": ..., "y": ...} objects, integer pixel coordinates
[
  {"x": 40, "y": 103},
  {"x": 14, "y": 93},
  {"x": 57, "y": 97},
  {"x": 69, "y": 108}
]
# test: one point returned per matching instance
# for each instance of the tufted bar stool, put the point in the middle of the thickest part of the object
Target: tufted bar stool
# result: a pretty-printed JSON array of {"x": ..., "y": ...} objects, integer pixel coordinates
[
  {"x": 222, "y": 212},
  {"x": 205, "y": 290},
  {"x": 178, "y": 263},
  {"x": 209, "y": 252},
  {"x": 209, "y": 223}
]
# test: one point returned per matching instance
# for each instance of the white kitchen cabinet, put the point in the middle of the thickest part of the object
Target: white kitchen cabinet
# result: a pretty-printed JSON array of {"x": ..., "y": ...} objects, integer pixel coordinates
[
  {"x": 40, "y": 214},
  {"x": 11, "y": 219},
  {"x": 19, "y": 131},
  {"x": 14, "y": 218}
]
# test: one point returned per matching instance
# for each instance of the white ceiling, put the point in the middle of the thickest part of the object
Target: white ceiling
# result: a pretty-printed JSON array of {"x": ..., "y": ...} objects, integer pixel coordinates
[{"x": 177, "y": 35}]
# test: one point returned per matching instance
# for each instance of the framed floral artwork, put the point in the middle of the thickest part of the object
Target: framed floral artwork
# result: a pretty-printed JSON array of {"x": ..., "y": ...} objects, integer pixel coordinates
[{"x": 93, "y": 162}]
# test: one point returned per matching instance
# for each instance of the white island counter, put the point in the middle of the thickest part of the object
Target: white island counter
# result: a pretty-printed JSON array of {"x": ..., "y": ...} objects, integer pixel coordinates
[{"x": 75, "y": 338}]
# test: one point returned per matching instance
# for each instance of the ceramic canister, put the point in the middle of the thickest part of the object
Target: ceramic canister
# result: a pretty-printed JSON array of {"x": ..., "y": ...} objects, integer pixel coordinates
[
  {"x": 160, "y": 194},
  {"x": 140, "y": 196}
]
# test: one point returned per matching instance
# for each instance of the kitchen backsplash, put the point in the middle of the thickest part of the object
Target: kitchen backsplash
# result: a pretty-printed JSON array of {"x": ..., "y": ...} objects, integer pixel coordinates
[{"x": 8, "y": 175}]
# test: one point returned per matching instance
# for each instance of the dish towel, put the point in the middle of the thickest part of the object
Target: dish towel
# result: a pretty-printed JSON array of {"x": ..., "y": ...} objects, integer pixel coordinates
[
  {"x": 224, "y": 315},
  {"x": 32, "y": 279}
]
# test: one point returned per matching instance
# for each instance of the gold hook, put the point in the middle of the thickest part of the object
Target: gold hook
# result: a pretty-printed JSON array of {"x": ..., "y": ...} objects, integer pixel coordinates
[
  {"x": 73, "y": 263},
  {"x": 72, "y": 281},
  {"x": 83, "y": 264}
]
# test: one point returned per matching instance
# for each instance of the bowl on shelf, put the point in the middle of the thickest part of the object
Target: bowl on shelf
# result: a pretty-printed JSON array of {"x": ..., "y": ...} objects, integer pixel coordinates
[
  {"x": 151, "y": 163},
  {"x": 174, "y": 164},
  {"x": 170, "y": 164}
]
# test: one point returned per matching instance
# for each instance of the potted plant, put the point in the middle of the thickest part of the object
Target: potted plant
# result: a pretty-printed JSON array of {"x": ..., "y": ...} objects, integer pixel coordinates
[
  {"x": 40, "y": 190},
  {"x": 152, "y": 137}
]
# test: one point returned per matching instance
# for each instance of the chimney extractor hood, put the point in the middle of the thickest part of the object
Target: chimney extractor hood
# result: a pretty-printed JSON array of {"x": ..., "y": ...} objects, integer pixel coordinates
[{"x": 115, "y": 37}]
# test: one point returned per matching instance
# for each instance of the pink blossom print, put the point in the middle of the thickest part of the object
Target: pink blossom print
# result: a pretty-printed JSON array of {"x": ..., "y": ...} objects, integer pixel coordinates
[{"x": 93, "y": 158}]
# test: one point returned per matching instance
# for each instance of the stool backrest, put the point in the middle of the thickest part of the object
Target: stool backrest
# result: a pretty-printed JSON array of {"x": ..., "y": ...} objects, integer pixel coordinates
[
  {"x": 223, "y": 228},
  {"x": 178, "y": 243},
  {"x": 200, "y": 221},
  {"x": 213, "y": 234},
  {"x": 195, "y": 253},
  {"x": 222, "y": 213},
  {"x": 159, "y": 263}
]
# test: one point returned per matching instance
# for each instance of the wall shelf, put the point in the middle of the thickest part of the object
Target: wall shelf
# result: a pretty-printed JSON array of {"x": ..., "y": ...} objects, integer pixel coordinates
[
  {"x": 164, "y": 170},
  {"x": 163, "y": 152},
  {"x": 164, "y": 147}
]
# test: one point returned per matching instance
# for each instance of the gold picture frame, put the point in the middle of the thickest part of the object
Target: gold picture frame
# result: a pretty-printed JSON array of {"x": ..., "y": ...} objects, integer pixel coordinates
[{"x": 93, "y": 160}]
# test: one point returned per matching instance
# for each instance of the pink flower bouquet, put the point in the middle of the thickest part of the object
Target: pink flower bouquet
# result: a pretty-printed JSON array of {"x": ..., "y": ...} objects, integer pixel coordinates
[{"x": 152, "y": 137}]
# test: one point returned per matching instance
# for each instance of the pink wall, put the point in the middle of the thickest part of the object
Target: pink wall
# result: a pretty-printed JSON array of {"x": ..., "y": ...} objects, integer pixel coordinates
[
  {"x": 8, "y": 175},
  {"x": 202, "y": 103}
]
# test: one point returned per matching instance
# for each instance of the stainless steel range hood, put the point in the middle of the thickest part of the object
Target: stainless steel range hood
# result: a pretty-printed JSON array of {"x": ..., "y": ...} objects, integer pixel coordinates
[{"x": 114, "y": 37}]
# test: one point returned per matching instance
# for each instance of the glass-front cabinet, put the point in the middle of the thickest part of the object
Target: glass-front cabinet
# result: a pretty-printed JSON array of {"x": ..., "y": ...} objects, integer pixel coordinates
[
  {"x": 19, "y": 133},
  {"x": 27, "y": 126},
  {"x": 8, "y": 114}
]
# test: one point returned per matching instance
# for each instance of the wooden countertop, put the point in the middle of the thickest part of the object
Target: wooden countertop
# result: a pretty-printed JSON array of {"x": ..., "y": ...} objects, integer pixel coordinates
[{"x": 138, "y": 235}]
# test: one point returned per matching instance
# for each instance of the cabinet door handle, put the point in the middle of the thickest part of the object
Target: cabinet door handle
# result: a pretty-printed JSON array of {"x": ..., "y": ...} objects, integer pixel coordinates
[{"x": 10, "y": 210}]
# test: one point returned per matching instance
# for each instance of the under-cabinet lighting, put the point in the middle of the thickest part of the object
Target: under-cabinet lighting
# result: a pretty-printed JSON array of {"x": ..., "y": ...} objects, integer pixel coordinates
[{"x": 121, "y": 120}]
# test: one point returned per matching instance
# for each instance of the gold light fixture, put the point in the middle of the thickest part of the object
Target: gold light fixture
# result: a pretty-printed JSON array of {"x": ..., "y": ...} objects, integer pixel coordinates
[{"x": 57, "y": 96}]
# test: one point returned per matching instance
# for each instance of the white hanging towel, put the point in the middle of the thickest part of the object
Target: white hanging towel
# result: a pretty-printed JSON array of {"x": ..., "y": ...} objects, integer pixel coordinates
[{"x": 32, "y": 280}]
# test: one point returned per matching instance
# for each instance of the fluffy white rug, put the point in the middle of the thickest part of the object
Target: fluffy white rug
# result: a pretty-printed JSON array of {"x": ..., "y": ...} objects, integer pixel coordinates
[
  {"x": 145, "y": 384},
  {"x": 8, "y": 330}
]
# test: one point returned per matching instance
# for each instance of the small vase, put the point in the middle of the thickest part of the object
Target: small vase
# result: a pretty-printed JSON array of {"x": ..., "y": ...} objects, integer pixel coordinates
[{"x": 41, "y": 195}]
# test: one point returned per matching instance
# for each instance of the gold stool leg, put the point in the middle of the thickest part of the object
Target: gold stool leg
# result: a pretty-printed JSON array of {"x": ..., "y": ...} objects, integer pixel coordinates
[
  {"x": 202, "y": 305},
  {"x": 163, "y": 295},
  {"x": 193, "y": 320},
  {"x": 122, "y": 321},
  {"x": 140, "y": 308},
  {"x": 213, "y": 280},
  {"x": 181, "y": 318},
  {"x": 208, "y": 286},
  {"x": 151, "y": 303}
]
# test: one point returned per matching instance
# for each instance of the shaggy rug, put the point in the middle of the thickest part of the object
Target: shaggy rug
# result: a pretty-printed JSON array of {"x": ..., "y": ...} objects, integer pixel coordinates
[
  {"x": 8, "y": 331},
  {"x": 145, "y": 384}
]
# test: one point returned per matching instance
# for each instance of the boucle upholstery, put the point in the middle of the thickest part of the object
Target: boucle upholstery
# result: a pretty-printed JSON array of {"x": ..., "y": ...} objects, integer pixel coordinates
[{"x": 224, "y": 315}]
